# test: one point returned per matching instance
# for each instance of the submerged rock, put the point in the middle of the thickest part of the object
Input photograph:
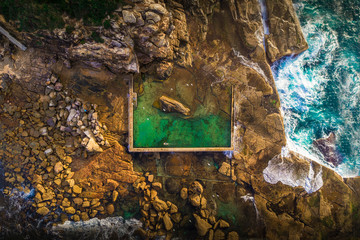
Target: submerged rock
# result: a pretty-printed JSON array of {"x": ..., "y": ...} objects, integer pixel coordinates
[
  {"x": 327, "y": 147},
  {"x": 168, "y": 104}
]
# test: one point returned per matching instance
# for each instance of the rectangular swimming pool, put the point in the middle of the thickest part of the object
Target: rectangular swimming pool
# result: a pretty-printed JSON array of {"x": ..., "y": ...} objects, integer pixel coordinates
[{"x": 194, "y": 121}]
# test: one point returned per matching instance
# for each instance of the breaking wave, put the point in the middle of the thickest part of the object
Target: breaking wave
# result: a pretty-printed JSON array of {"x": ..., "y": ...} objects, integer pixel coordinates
[{"x": 320, "y": 88}]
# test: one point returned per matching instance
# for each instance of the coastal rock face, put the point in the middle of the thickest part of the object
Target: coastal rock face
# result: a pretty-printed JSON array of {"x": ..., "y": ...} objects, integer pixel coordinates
[
  {"x": 146, "y": 33},
  {"x": 111, "y": 54},
  {"x": 250, "y": 27},
  {"x": 294, "y": 171},
  {"x": 285, "y": 36},
  {"x": 308, "y": 215}
]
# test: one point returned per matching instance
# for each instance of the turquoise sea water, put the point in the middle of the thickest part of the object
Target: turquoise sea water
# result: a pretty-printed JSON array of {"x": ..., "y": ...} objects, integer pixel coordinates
[{"x": 320, "y": 88}]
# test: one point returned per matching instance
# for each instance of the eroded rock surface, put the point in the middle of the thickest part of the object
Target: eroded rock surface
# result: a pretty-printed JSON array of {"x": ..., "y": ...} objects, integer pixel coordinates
[{"x": 285, "y": 36}]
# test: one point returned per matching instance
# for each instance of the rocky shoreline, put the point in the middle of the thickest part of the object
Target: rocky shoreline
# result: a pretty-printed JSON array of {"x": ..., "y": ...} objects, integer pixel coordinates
[{"x": 64, "y": 127}]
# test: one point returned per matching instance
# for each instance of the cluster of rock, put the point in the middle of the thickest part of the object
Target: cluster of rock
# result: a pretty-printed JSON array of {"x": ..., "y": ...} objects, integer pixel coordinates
[
  {"x": 159, "y": 34},
  {"x": 205, "y": 221},
  {"x": 74, "y": 116},
  {"x": 42, "y": 138},
  {"x": 158, "y": 216},
  {"x": 143, "y": 33}
]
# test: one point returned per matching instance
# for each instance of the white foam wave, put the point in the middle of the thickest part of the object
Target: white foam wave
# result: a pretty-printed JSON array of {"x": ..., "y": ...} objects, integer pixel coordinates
[
  {"x": 302, "y": 80},
  {"x": 264, "y": 15},
  {"x": 99, "y": 228},
  {"x": 248, "y": 63},
  {"x": 287, "y": 172}
]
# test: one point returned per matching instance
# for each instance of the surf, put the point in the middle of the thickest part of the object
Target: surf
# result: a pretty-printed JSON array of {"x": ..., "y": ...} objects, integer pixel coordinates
[{"x": 320, "y": 88}]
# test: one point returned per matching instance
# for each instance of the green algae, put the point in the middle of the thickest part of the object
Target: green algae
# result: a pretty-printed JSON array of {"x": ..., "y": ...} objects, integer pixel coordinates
[
  {"x": 154, "y": 128},
  {"x": 226, "y": 212}
]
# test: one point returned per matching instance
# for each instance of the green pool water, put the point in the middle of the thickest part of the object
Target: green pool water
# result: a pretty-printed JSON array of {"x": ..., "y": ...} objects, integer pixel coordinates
[{"x": 156, "y": 129}]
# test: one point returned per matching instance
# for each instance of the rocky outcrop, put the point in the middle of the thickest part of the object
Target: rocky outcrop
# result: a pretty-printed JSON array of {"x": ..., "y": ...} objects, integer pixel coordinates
[
  {"x": 248, "y": 16},
  {"x": 327, "y": 146},
  {"x": 111, "y": 54},
  {"x": 292, "y": 170},
  {"x": 286, "y": 37},
  {"x": 160, "y": 35},
  {"x": 139, "y": 34},
  {"x": 168, "y": 104}
]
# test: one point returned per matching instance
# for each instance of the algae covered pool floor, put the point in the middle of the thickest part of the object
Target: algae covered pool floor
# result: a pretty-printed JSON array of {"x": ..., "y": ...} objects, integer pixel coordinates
[{"x": 209, "y": 123}]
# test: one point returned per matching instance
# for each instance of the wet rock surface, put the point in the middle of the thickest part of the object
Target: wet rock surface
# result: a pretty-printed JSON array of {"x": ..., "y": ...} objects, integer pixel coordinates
[{"x": 327, "y": 147}]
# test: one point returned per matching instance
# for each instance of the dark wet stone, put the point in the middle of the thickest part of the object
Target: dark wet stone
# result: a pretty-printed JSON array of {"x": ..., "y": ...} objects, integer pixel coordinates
[
  {"x": 179, "y": 164},
  {"x": 172, "y": 185},
  {"x": 226, "y": 191},
  {"x": 327, "y": 146},
  {"x": 58, "y": 86}
]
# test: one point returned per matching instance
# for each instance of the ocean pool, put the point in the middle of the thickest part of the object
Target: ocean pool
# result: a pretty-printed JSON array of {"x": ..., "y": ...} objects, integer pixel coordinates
[{"x": 207, "y": 128}]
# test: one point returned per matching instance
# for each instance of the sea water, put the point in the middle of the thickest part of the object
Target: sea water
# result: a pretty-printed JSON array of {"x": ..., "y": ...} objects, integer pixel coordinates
[{"x": 320, "y": 88}]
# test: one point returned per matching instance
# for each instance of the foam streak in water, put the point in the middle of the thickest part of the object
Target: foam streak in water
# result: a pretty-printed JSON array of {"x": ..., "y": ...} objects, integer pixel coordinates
[
  {"x": 248, "y": 63},
  {"x": 320, "y": 89},
  {"x": 251, "y": 199},
  {"x": 280, "y": 169},
  {"x": 264, "y": 15}
]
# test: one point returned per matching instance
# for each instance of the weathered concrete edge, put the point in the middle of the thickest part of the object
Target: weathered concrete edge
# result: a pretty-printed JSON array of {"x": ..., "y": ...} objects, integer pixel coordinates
[{"x": 12, "y": 39}]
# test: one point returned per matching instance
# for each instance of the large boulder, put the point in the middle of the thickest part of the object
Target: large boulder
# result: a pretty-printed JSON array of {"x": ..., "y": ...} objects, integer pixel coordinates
[{"x": 168, "y": 104}]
